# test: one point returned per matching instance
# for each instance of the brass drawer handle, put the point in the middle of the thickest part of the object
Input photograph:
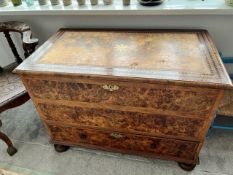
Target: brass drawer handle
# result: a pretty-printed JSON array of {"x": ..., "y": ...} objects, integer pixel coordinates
[
  {"x": 116, "y": 135},
  {"x": 110, "y": 87}
]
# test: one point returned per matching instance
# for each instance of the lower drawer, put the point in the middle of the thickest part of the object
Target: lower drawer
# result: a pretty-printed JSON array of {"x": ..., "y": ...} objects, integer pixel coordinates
[{"x": 125, "y": 143}]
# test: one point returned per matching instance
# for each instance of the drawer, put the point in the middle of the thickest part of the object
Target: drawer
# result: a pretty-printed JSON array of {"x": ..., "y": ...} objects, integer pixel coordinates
[
  {"x": 123, "y": 120},
  {"x": 125, "y": 143},
  {"x": 163, "y": 99}
]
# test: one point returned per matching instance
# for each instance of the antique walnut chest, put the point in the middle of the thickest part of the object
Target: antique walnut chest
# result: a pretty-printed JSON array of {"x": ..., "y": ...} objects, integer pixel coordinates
[{"x": 152, "y": 93}]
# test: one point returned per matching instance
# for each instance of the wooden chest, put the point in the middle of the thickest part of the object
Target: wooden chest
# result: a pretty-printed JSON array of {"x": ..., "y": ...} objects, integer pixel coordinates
[{"x": 151, "y": 93}]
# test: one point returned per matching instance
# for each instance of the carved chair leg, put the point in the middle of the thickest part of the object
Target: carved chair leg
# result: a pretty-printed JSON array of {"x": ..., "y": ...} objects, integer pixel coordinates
[
  {"x": 11, "y": 150},
  {"x": 29, "y": 43},
  {"x": 12, "y": 46}
]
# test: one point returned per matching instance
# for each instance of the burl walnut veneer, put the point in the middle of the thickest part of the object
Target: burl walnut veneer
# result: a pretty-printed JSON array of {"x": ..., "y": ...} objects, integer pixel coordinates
[{"x": 152, "y": 93}]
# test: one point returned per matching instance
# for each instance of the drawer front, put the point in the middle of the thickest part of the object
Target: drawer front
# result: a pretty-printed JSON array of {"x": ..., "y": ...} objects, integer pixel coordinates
[
  {"x": 124, "y": 142},
  {"x": 183, "y": 101},
  {"x": 123, "y": 120}
]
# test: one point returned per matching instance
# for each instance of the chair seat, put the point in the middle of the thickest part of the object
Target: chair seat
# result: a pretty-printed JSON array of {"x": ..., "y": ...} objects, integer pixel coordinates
[
  {"x": 11, "y": 87},
  {"x": 226, "y": 105}
]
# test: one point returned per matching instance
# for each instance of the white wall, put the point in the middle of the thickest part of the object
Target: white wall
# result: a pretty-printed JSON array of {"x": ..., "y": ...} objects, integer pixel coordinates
[
  {"x": 6, "y": 55},
  {"x": 219, "y": 26}
]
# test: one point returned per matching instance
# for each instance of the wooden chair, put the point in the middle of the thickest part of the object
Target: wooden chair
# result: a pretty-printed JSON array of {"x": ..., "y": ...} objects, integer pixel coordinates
[{"x": 12, "y": 91}]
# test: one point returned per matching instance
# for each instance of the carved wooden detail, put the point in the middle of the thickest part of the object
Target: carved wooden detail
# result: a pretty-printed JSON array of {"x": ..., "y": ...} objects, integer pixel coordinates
[
  {"x": 118, "y": 141},
  {"x": 29, "y": 43}
]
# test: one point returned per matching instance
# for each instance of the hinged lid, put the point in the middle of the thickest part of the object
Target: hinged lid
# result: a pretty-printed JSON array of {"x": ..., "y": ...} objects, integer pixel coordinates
[{"x": 174, "y": 55}]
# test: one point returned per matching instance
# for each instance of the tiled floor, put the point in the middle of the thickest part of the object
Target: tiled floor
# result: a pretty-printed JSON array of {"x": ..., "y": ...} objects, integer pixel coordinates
[{"x": 37, "y": 157}]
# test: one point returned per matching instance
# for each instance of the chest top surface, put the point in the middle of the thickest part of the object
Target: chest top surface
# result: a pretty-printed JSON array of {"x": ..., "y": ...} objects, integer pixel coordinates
[{"x": 166, "y": 55}]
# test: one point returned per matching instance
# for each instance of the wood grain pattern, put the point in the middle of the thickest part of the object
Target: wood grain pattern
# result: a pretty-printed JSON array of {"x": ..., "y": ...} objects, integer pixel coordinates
[
  {"x": 128, "y": 49},
  {"x": 162, "y": 99},
  {"x": 148, "y": 124},
  {"x": 152, "y": 93},
  {"x": 118, "y": 141},
  {"x": 191, "y": 56}
]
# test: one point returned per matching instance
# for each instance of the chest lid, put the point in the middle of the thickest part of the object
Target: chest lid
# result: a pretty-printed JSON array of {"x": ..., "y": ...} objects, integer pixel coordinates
[{"x": 157, "y": 54}]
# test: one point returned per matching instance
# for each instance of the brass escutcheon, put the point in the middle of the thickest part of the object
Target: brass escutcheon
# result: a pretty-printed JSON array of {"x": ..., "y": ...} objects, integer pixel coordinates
[{"x": 110, "y": 87}]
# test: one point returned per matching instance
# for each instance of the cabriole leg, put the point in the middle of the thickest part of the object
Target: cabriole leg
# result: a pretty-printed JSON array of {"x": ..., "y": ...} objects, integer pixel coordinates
[{"x": 11, "y": 150}]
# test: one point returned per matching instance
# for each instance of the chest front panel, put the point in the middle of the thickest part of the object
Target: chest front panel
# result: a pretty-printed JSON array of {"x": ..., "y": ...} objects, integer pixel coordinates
[{"x": 173, "y": 100}]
